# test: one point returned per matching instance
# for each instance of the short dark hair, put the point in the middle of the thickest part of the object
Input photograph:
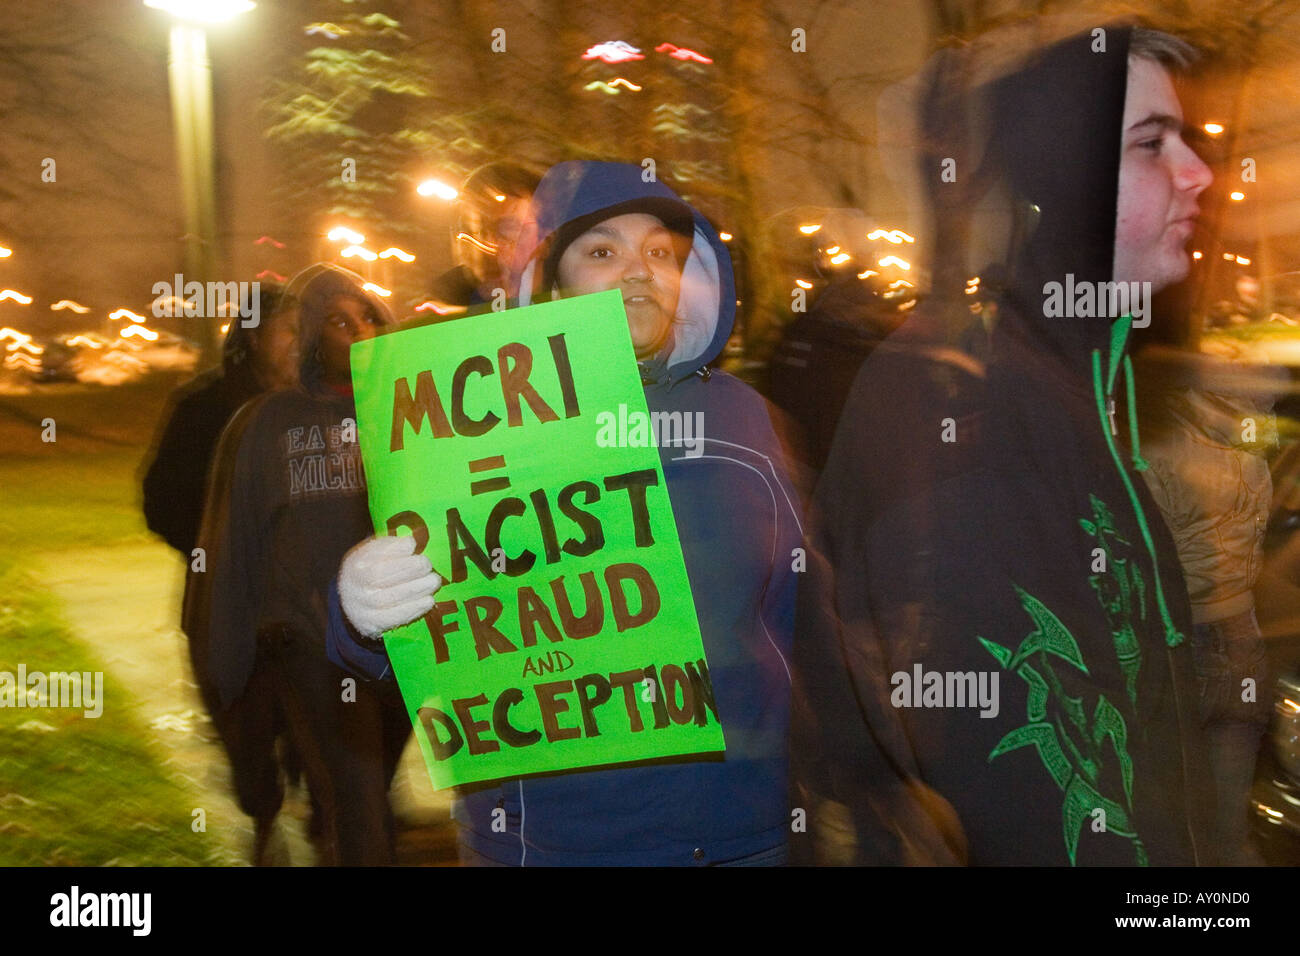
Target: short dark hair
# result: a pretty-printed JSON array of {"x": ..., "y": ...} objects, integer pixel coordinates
[{"x": 1171, "y": 52}]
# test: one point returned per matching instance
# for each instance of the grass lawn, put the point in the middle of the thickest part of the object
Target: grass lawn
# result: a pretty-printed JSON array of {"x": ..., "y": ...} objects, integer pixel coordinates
[{"x": 77, "y": 790}]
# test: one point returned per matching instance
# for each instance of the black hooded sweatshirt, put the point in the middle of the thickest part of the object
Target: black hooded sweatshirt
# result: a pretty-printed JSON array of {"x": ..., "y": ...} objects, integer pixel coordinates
[
  {"x": 174, "y": 480},
  {"x": 984, "y": 522}
]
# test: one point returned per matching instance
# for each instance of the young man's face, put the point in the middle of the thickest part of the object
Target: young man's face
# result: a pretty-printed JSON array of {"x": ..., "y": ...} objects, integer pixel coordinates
[
  {"x": 349, "y": 320},
  {"x": 1160, "y": 179},
  {"x": 634, "y": 254}
]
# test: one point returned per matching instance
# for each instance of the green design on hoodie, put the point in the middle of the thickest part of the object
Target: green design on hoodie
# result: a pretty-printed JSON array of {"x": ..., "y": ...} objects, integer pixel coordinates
[{"x": 1069, "y": 742}]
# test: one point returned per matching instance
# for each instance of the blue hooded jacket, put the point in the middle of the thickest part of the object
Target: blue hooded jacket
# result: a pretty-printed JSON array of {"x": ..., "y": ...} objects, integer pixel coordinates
[{"x": 738, "y": 519}]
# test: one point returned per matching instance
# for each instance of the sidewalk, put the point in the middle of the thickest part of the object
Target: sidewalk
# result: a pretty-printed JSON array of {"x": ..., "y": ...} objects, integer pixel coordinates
[{"x": 123, "y": 603}]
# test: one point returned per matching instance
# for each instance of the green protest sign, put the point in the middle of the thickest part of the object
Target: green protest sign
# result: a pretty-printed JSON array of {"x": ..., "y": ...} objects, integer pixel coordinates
[{"x": 565, "y": 635}]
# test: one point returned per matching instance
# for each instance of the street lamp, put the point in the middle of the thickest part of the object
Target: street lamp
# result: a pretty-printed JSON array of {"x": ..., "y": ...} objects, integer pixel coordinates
[
  {"x": 190, "y": 74},
  {"x": 434, "y": 187}
]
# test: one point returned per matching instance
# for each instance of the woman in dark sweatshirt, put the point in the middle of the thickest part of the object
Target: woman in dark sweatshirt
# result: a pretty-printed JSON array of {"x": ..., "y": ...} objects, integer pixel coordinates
[{"x": 287, "y": 500}]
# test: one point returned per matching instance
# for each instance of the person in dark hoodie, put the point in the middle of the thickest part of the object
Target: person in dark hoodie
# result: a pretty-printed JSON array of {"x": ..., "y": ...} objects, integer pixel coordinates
[
  {"x": 993, "y": 662},
  {"x": 257, "y": 356},
  {"x": 286, "y": 501},
  {"x": 599, "y": 226},
  {"x": 254, "y": 358}
]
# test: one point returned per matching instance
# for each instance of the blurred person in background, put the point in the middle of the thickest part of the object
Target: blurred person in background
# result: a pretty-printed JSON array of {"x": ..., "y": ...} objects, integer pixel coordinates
[
  {"x": 491, "y": 211},
  {"x": 287, "y": 500},
  {"x": 254, "y": 359},
  {"x": 820, "y": 352},
  {"x": 1207, "y": 429}
]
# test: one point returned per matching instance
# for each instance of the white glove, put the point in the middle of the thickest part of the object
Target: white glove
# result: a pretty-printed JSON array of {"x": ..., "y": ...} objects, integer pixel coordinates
[{"x": 384, "y": 584}]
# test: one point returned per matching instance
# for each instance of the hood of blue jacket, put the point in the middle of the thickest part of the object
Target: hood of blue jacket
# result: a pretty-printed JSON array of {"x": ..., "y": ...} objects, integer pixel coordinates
[{"x": 706, "y": 308}]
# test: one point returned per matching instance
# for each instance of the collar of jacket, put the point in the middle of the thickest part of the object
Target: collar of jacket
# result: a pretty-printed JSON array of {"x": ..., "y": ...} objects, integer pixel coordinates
[{"x": 655, "y": 371}]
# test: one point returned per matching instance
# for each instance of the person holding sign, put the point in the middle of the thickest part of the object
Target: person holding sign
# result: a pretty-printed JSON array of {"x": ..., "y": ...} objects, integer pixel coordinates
[
  {"x": 286, "y": 501},
  {"x": 600, "y": 229}
]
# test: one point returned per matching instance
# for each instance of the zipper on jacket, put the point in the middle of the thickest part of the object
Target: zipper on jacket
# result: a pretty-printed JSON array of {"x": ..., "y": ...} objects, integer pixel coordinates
[
  {"x": 1119, "y": 336},
  {"x": 1106, "y": 410}
]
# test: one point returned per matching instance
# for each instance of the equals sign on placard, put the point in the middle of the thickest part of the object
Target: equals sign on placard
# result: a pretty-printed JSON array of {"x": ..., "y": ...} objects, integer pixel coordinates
[{"x": 484, "y": 485}]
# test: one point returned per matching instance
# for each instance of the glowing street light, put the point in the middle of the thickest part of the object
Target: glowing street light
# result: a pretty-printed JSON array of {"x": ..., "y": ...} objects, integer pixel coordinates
[
  {"x": 5, "y": 252},
  {"x": 202, "y": 11},
  {"x": 147, "y": 334},
  {"x": 681, "y": 53},
  {"x": 16, "y": 296},
  {"x": 343, "y": 233},
  {"x": 190, "y": 77},
  {"x": 1236, "y": 195},
  {"x": 895, "y": 236},
  {"x": 125, "y": 314},
  {"x": 377, "y": 289},
  {"x": 1214, "y": 129},
  {"x": 613, "y": 51},
  {"x": 392, "y": 252},
  {"x": 808, "y": 230},
  {"x": 76, "y": 307},
  {"x": 359, "y": 251},
  {"x": 428, "y": 305},
  {"x": 434, "y": 187},
  {"x": 479, "y": 244}
]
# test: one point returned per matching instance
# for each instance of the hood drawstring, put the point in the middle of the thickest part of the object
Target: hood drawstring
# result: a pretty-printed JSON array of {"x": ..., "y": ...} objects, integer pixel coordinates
[
  {"x": 1119, "y": 333},
  {"x": 1130, "y": 390}
]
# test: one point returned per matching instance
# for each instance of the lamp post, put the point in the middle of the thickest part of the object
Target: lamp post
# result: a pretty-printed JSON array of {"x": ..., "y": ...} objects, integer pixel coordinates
[{"x": 190, "y": 75}]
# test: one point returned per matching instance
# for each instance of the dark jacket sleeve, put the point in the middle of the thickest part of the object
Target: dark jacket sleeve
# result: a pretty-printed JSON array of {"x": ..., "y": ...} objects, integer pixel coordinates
[
  {"x": 175, "y": 481},
  {"x": 223, "y": 601},
  {"x": 851, "y": 770},
  {"x": 346, "y": 648},
  {"x": 852, "y": 764}
]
